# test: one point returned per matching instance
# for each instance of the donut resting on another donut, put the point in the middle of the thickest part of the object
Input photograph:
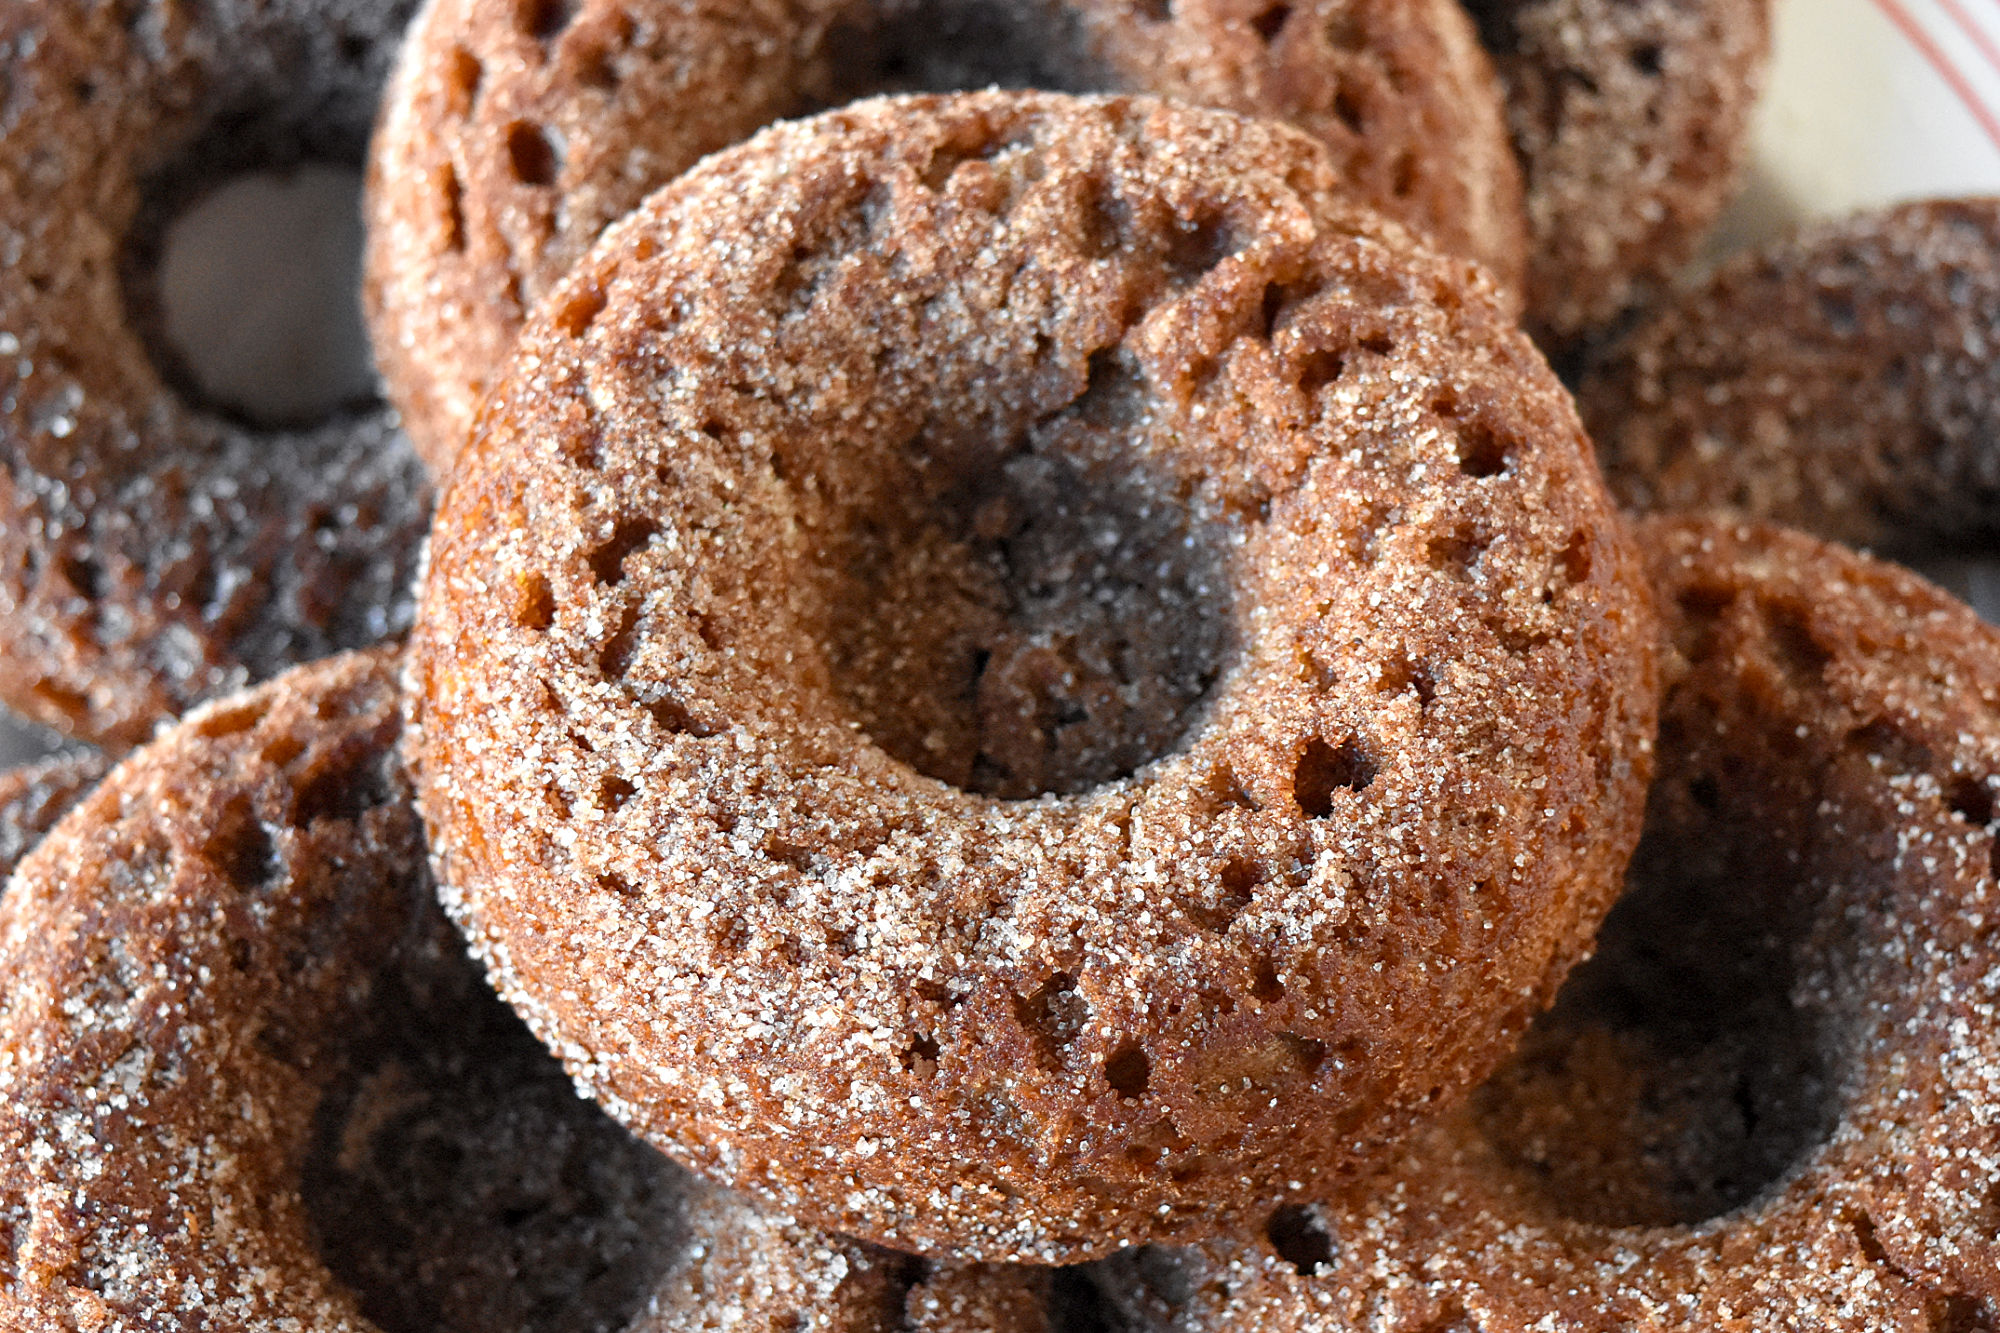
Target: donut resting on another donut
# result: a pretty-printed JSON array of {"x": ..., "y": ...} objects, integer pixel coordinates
[
  {"x": 1016, "y": 673},
  {"x": 514, "y": 133},
  {"x": 1769, "y": 1103}
]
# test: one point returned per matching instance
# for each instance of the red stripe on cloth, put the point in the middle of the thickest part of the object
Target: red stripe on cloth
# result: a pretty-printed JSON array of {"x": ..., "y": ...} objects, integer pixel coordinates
[
  {"x": 1973, "y": 32},
  {"x": 1894, "y": 11}
]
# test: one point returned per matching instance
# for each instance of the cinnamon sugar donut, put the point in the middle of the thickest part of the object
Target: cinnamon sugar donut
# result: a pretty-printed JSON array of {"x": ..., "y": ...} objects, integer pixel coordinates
[
  {"x": 516, "y": 130},
  {"x": 249, "y": 1079},
  {"x": 154, "y": 551},
  {"x": 1772, "y": 1101},
  {"x": 1842, "y": 380},
  {"x": 1630, "y": 118},
  {"x": 1014, "y": 673}
]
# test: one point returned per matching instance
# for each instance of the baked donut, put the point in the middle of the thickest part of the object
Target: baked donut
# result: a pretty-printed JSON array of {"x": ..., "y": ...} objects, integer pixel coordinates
[
  {"x": 1842, "y": 380},
  {"x": 1769, "y": 1103},
  {"x": 1630, "y": 118},
  {"x": 987, "y": 653},
  {"x": 516, "y": 130},
  {"x": 34, "y": 796},
  {"x": 249, "y": 1079},
  {"x": 154, "y": 551}
]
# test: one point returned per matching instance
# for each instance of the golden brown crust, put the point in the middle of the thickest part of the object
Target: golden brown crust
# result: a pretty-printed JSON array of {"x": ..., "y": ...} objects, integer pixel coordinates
[
  {"x": 249, "y": 1079},
  {"x": 154, "y": 553},
  {"x": 34, "y": 796},
  {"x": 987, "y": 648},
  {"x": 514, "y": 133},
  {"x": 1843, "y": 380},
  {"x": 1630, "y": 118},
  {"x": 1769, "y": 1103}
]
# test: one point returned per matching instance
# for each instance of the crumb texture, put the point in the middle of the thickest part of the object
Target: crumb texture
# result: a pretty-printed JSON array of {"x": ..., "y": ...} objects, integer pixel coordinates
[
  {"x": 155, "y": 552},
  {"x": 513, "y": 134},
  {"x": 1630, "y": 118},
  {"x": 1768, "y": 1102},
  {"x": 1012, "y": 672},
  {"x": 1843, "y": 380},
  {"x": 249, "y": 1078}
]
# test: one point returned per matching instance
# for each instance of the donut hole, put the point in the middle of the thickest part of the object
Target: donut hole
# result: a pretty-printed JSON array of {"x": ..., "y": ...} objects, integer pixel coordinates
[
  {"x": 1676, "y": 1077},
  {"x": 457, "y": 1184},
  {"x": 954, "y": 46},
  {"x": 244, "y": 286},
  {"x": 1026, "y": 621}
]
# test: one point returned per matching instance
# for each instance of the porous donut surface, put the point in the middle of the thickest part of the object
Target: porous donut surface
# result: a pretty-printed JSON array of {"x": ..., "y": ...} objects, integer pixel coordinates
[
  {"x": 152, "y": 552},
  {"x": 1016, "y": 673},
  {"x": 249, "y": 1079},
  {"x": 1768, "y": 1104},
  {"x": 1630, "y": 118},
  {"x": 1841, "y": 379},
  {"x": 516, "y": 130}
]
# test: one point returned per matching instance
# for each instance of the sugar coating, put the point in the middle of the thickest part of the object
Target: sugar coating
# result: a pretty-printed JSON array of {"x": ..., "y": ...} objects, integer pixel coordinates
[
  {"x": 249, "y": 1078},
  {"x": 154, "y": 553},
  {"x": 1631, "y": 118},
  {"x": 1016, "y": 674},
  {"x": 512, "y": 134},
  {"x": 34, "y": 796},
  {"x": 1842, "y": 379},
  {"x": 1772, "y": 1102}
]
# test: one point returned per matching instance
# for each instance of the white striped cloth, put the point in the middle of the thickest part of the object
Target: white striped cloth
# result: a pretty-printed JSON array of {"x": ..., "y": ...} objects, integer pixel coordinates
[{"x": 1872, "y": 102}]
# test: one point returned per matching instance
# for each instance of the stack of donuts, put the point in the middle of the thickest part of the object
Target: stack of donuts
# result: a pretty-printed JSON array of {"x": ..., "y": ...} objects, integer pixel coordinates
[{"x": 976, "y": 677}]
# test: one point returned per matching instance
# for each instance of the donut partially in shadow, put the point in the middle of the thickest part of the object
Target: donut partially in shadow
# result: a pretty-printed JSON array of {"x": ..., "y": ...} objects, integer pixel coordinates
[
  {"x": 1843, "y": 380},
  {"x": 1772, "y": 1100},
  {"x": 156, "y": 547},
  {"x": 1631, "y": 118},
  {"x": 250, "y": 1079}
]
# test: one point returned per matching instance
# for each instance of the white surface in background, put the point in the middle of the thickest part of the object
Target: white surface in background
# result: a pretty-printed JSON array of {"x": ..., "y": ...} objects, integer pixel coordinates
[
  {"x": 260, "y": 286},
  {"x": 1856, "y": 114}
]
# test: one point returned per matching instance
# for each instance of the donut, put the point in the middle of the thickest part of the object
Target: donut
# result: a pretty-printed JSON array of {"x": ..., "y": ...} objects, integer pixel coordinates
[
  {"x": 978, "y": 678},
  {"x": 1769, "y": 1102},
  {"x": 1841, "y": 380},
  {"x": 154, "y": 550},
  {"x": 1630, "y": 119},
  {"x": 34, "y": 796},
  {"x": 513, "y": 133},
  {"x": 250, "y": 1079}
]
